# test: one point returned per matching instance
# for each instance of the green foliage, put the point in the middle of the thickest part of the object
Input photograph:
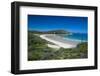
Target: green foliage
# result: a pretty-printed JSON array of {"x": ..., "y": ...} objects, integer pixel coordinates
[
  {"x": 51, "y": 32},
  {"x": 38, "y": 50}
]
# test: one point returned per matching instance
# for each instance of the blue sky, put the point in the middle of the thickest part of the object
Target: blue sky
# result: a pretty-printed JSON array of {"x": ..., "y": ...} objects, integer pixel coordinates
[{"x": 68, "y": 23}]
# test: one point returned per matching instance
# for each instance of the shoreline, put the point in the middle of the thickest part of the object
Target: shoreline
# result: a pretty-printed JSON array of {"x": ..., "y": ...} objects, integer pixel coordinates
[
  {"x": 75, "y": 40},
  {"x": 59, "y": 41}
]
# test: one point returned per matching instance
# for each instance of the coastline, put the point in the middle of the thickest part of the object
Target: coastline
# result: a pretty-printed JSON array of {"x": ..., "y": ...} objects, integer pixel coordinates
[
  {"x": 59, "y": 41},
  {"x": 75, "y": 40}
]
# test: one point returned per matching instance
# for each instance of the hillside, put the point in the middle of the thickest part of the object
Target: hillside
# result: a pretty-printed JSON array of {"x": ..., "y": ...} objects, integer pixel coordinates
[{"x": 50, "y": 32}]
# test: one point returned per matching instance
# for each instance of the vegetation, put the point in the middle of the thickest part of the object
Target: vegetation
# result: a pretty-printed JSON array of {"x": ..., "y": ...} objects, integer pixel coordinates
[
  {"x": 51, "y": 32},
  {"x": 38, "y": 50}
]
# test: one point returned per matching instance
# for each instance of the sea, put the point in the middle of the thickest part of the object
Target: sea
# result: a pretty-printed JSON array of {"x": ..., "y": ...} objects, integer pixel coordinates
[{"x": 80, "y": 37}]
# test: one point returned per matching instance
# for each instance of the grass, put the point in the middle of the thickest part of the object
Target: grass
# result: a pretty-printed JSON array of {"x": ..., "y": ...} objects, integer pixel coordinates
[{"x": 38, "y": 50}]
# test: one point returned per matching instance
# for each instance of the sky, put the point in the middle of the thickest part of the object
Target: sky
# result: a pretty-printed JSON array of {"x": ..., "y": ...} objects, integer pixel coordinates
[{"x": 67, "y": 23}]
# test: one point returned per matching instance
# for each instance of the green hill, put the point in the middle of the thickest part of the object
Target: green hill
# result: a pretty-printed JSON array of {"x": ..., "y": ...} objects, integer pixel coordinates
[{"x": 50, "y": 32}]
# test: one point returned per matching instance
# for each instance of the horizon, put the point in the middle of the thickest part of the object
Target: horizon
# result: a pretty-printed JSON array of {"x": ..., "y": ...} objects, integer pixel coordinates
[
  {"x": 57, "y": 30},
  {"x": 49, "y": 23}
]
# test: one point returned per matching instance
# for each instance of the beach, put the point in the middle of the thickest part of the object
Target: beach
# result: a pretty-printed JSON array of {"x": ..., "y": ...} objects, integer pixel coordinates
[
  {"x": 59, "y": 41},
  {"x": 52, "y": 37}
]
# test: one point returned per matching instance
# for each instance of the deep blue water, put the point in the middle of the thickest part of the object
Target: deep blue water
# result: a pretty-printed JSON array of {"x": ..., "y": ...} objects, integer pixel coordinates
[{"x": 83, "y": 37}]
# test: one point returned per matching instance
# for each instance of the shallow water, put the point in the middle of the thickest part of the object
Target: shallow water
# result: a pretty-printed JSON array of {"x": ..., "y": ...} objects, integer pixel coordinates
[{"x": 81, "y": 37}]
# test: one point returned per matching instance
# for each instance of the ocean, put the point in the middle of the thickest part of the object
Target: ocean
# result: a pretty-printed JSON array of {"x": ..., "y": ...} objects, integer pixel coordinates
[{"x": 81, "y": 37}]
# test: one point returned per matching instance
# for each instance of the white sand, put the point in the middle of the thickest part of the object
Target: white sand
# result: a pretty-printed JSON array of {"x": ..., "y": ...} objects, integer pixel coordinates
[{"x": 58, "y": 42}]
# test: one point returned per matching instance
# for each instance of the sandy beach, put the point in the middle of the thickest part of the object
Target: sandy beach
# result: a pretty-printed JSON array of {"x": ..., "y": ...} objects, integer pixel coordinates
[{"x": 59, "y": 41}]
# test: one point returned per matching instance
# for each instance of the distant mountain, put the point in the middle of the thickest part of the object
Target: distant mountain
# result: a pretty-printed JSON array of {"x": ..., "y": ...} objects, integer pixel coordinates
[
  {"x": 50, "y": 32},
  {"x": 57, "y": 32}
]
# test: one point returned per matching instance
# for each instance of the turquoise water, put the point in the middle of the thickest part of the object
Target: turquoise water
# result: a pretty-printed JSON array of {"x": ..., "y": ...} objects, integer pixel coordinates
[{"x": 82, "y": 37}]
